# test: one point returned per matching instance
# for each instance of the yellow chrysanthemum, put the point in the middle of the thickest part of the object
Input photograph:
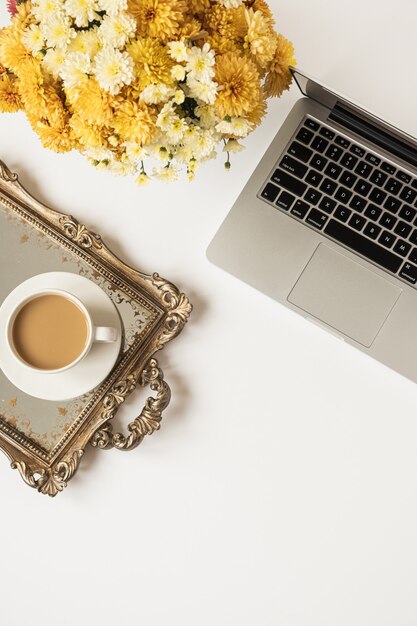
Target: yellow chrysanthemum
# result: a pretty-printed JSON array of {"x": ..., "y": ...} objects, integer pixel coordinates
[
  {"x": 262, "y": 6},
  {"x": 239, "y": 88},
  {"x": 88, "y": 135},
  {"x": 54, "y": 134},
  {"x": 134, "y": 122},
  {"x": 279, "y": 76},
  {"x": 152, "y": 62},
  {"x": 158, "y": 18},
  {"x": 256, "y": 114},
  {"x": 191, "y": 31},
  {"x": 260, "y": 40},
  {"x": 222, "y": 45},
  {"x": 225, "y": 23},
  {"x": 195, "y": 7},
  {"x": 91, "y": 102},
  {"x": 13, "y": 54},
  {"x": 9, "y": 96},
  {"x": 24, "y": 16}
]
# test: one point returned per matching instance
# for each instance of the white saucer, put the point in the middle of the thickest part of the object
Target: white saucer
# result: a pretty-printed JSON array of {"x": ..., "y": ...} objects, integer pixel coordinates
[{"x": 87, "y": 374}]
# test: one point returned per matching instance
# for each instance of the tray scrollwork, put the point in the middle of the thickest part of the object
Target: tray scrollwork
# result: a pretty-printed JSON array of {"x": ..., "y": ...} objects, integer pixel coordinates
[{"x": 163, "y": 312}]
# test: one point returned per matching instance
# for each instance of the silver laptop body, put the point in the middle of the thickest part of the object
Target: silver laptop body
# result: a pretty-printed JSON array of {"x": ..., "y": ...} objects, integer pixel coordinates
[{"x": 327, "y": 225}]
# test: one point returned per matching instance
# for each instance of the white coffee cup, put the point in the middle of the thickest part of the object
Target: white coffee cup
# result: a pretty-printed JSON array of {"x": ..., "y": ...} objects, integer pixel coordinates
[{"x": 95, "y": 334}]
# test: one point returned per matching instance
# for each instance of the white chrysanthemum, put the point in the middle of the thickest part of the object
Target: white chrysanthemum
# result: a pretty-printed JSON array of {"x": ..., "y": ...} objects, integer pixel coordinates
[
  {"x": 86, "y": 41},
  {"x": 57, "y": 30},
  {"x": 231, "y": 4},
  {"x": 75, "y": 69},
  {"x": 53, "y": 60},
  {"x": 200, "y": 62},
  {"x": 113, "y": 69},
  {"x": 178, "y": 51},
  {"x": 121, "y": 169},
  {"x": 237, "y": 126},
  {"x": 176, "y": 131},
  {"x": 98, "y": 154},
  {"x": 112, "y": 7},
  {"x": 155, "y": 94},
  {"x": 179, "y": 96},
  {"x": 166, "y": 174},
  {"x": 232, "y": 145},
  {"x": 33, "y": 39},
  {"x": 178, "y": 72},
  {"x": 207, "y": 116},
  {"x": 83, "y": 11},
  {"x": 166, "y": 117},
  {"x": 135, "y": 152},
  {"x": 42, "y": 9},
  {"x": 143, "y": 179},
  {"x": 116, "y": 30},
  {"x": 205, "y": 91}
]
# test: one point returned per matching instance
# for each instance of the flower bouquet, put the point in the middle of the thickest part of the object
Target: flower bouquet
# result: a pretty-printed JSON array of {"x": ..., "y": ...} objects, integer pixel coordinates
[{"x": 142, "y": 87}]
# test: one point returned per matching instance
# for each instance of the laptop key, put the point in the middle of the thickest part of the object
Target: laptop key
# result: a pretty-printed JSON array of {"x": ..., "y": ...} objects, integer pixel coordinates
[
  {"x": 357, "y": 150},
  {"x": 387, "y": 239},
  {"x": 289, "y": 182},
  {"x": 413, "y": 255},
  {"x": 408, "y": 213},
  {"x": 363, "y": 169},
  {"x": 334, "y": 152},
  {"x": 377, "y": 195},
  {"x": 327, "y": 204},
  {"x": 318, "y": 162},
  {"x": 300, "y": 152},
  {"x": 300, "y": 209},
  {"x": 341, "y": 141},
  {"x": 371, "y": 158},
  {"x": 392, "y": 204},
  {"x": 413, "y": 237},
  {"x": 311, "y": 124},
  {"x": 409, "y": 272},
  {"x": 393, "y": 186},
  {"x": 313, "y": 178},
  {"x": 402, "y": 247},
  {"x": 387, "y": 167},
  {"x": 358, "y": 203},
  {"x": 378, "y": 178},
  {"x": 342, "y": 213},
  {"x": 333, "y": 170},
  {"x": 343, "y": 194},
  {"x": 326, "y": 132},
  {"x": 316, "y": 218},
  {"x": 293, "y": 166},
  {"x": 349, "y": 161},
  {"x": 360, "y": 244},
  {"x": 373, "y": 212},
  {"x": 362, "y": 187},
  {"x": 357, "y": 222},
  {"x": 312, "y": 196},
  {"x": 348, "y": 179},
  {"x": 304, "y": 135},
  {"x": 328, "y": 186},
  {"x": 414, "y": 183},
  {"x": 319, "y": 144},
  {"x": 406, "y": 178},
  {"x": 270, "y": 192},
  {"x": 388, "y": 220},
  {"x": 408, "y": 194},
  {"x": 403, "y": 229},
  {"x": 285, "y": 200},
  {"x": 372, "y": 230}
]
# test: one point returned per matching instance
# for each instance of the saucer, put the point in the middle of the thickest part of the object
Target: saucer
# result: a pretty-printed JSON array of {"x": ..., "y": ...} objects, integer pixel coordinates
[{"x": 87, "y": 374}]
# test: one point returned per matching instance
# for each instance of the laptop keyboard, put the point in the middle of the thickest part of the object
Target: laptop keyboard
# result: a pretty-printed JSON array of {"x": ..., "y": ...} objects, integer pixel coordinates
[{"x": 349, "y": 194}]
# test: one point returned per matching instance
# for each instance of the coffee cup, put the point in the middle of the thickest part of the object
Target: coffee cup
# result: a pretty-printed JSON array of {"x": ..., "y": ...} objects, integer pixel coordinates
[{"x": 51, "y": 331}]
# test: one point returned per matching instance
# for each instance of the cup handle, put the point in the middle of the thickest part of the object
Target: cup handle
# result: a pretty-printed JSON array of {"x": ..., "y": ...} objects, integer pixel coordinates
[{"x": 104, "y": 334}]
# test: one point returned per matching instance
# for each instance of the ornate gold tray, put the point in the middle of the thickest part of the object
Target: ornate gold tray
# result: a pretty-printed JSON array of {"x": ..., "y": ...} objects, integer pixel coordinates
[{"x": 45, "y": 440}]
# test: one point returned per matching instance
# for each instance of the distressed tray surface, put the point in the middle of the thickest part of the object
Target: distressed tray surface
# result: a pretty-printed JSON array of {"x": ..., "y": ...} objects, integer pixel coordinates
[{"x": 45, "y": 440}]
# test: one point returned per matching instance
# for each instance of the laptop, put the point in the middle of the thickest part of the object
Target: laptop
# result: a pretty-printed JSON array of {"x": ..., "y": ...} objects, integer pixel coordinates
[{"x": 327, "y": 225}]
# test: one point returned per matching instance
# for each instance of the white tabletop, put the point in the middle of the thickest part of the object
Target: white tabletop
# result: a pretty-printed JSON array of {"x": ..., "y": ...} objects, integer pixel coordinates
[{"x": 281, "y": 489}]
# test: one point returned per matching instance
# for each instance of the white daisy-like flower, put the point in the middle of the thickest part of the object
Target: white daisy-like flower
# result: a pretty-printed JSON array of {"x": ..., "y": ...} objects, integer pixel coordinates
[
  {"x": 232, "y": 145},
  {"x": 98, "y": 154},
  {"x": 179, "y": 96},
  {"x": 82, "y": 11},
  {"x": 135, "y": 152},
  {"x": 57, "y": 30},
  {"x": 207, "y": 116},
  {"x": 86, "y": 41},
  {"x": 75, "y": 69},
  {"x": 176, "y": 130},
  {"x": 155, "y": 94},
  {"x": 178, "y": 72},
  {"x": 120, "y": 168},
  {"x": 53, "y": 60},
  {"x": 143, "y": 179},
  {"x": 240, "y": 126},
  {"x": 166, "y": 174},
  {"x": 33, "y": 38},
  {"x": 178, "y": 51},
  {"x": 113, "y": 69},
  {"x": 42, "y": 9},
  {"x": 116, "y": 30},
  {"x": 112, "y": 7},
  {"x": 205, "y": 91},
  {"x": 166, "y": 117},
  {"x": 200, "y": 62}
]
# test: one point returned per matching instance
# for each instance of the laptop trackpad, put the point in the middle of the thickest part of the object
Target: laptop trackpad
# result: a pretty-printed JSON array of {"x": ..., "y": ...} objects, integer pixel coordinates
[{"x": 345, "y": 295}]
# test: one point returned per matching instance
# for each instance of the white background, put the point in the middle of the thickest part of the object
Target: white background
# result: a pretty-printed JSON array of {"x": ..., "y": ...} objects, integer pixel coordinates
[{"x": 281, "y": 489}]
